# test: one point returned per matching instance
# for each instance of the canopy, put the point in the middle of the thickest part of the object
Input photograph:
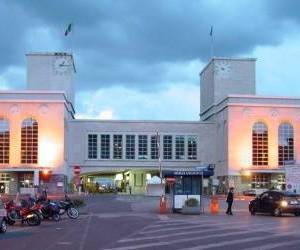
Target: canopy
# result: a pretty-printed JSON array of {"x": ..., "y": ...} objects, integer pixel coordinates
[{"x": 206, "y": 171}]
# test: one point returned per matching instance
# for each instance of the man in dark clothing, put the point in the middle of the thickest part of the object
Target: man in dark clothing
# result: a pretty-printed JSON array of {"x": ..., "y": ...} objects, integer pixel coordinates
[{"x": 229, "y": 201}]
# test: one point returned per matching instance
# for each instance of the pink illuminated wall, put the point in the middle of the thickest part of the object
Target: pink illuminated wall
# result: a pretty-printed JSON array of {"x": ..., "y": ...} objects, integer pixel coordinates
[
  {"x": 240, "y": 121},
  {"x": 50, "y": 118}
]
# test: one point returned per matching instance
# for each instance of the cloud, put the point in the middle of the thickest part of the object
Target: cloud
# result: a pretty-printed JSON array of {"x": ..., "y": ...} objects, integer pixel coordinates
[
  {"x": 129, "y": 43},
  {"x": 148, "y": 49},
  {"x": 174, "y": 102},
  {"x": 107, "y": 114}
]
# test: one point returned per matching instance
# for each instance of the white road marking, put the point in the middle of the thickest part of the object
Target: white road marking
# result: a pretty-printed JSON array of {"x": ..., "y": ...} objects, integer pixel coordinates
[
  {"x": 85, "y": 233},
  {"x": 230, "y": 242},
  {"x": 192, "y": 225},
  {"x": 204, "y": 230},
  {"x": 64, "y": 243},
  {"x": 163, "y": 217},
  {"x": 274, "y": 245}
]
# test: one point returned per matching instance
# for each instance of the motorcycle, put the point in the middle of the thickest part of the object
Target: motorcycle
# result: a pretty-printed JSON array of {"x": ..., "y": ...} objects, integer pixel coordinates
[
  {"x": 23, "y": 213},
  {"x": 67, "y": 206},
  {"x": 47, "y": 209}
]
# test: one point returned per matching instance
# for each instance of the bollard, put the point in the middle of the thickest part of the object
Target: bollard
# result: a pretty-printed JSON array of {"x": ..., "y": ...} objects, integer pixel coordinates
[
  {"x": 162, "y": 205},
  {"x": 214, "y": 205}
]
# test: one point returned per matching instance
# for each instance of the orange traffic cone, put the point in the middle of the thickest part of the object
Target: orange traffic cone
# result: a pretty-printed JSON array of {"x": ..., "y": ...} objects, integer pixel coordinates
[
  {"x": 162, "y": 205},
  {"x": 214, "y": 205}
]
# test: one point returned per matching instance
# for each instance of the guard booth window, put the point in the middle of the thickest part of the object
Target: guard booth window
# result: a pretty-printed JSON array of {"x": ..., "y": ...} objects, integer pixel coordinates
[{"x": 188, "y": 185}]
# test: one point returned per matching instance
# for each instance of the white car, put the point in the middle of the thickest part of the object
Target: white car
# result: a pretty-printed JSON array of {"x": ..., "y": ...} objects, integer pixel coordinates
[
  {"x": 3, "y": 225},
  {"x": 254, "y": 192}
]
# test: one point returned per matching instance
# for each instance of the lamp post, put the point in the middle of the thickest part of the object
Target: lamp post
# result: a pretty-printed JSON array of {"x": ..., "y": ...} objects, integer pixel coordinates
[{"x": 158, "y": 154}]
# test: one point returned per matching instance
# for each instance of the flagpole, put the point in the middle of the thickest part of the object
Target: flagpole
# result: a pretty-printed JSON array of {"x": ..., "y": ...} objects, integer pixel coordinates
[
  {"x": 211, "y": 42},
  {"x": 71, "y": 38},
  {"x": 69, "y": 35},
  {"x": 212, "y": 46}
]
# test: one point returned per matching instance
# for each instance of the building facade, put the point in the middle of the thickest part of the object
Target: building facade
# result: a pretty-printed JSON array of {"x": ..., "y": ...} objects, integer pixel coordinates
[{"x": 248, "y": 138}]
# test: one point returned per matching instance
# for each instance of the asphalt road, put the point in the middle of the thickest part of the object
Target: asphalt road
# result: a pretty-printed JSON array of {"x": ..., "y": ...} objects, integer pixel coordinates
[{"x": 124, "y": 223}]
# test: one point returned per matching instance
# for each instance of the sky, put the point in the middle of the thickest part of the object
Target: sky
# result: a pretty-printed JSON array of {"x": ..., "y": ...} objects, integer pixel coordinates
[{"x": 139, "y": 59}]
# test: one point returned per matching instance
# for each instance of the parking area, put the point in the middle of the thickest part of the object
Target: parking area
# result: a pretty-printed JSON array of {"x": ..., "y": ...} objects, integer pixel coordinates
[{"x": 133, "y": 222}]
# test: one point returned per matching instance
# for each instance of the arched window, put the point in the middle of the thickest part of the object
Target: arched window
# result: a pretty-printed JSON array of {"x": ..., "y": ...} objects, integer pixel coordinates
[
  {"x": 29, "y": 141},
  {"x": 4, "y": 141},
  {"x": 259, "y": 144},
  {"x": 285, "y": 143}
]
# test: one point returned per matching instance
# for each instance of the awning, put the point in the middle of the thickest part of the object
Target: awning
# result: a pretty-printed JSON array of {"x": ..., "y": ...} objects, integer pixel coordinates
[{"x": 206, "y": 171}]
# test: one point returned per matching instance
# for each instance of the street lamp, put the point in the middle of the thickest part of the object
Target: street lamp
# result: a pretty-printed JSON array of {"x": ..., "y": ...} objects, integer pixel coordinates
[{"x": 158, "y": 154}]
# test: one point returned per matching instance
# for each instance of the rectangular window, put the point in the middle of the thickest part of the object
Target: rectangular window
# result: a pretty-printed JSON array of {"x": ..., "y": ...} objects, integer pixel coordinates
[
  {"x": 105, "y": 146},
  {"x": 92, "y": 146},
  {"x": 4, "y": 141},
  {"x": 167, "y": 147},
  {"x": 179, "y": 147},
  {"x": 143, "y": 147},
  {"x": 192, "y": 147},
  {"x": 130, "y": 147},
  {"x": 29, "y": 141},
  {"x": 118, "y": 146},
  {"x": 154, "y": 147}
]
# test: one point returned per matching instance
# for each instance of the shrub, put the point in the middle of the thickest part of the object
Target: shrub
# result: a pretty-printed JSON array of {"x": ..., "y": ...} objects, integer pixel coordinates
[
  {"x": 78, "y": 201},
  {"x": 191, "y": 202}
]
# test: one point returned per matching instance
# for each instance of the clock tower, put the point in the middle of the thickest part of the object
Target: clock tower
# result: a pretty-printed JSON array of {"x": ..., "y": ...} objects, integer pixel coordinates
[
  {"x": 226, "y": 76},
  {"x": 51, "y": 71}
]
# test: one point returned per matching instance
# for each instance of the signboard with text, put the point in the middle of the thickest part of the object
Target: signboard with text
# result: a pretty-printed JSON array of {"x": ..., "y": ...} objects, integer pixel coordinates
[{"x": 292, "y": 178}]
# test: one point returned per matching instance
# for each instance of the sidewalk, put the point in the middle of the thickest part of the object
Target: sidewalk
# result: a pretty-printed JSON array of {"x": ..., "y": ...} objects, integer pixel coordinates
[{"x": 151, "y": 204}]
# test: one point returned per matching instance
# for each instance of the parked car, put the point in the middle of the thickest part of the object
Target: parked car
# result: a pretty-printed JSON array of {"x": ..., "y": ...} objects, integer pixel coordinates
[
  {"x": 276, "y": 203},
  {"x": 3, "y": 218}
]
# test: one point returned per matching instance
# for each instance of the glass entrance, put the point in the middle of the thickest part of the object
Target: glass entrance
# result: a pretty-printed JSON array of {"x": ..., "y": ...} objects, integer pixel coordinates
[{"x": 261, "y": 181}]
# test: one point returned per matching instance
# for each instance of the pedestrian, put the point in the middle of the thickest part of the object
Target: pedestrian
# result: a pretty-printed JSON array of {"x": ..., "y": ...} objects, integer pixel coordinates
[
  {"x": 229, "y": 201},
  {"x": 130, "y": 190}
]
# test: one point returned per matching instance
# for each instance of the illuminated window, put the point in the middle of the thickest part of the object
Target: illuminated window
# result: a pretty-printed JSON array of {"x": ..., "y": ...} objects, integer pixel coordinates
[
  {"x": 130, "y": 147},
  {"x": 4, "y": 141},
  {"x": 105, "y": 146},
  {"x": 143, "y": 147},
  {"x": 92, "y": 146},
  {"x": 285, "y": 143},
  {"x": 167, "y": 147},
  {"x": 259, "y": 144},
  {"x": 117, "y": 146},
  {"x": 192, "y": 147},
  {"x": 29, "y": 141},
  {"x": 154, "y": 147},
  {"x": 179, "y": 147},
  {"x": 26, "y": 180}
]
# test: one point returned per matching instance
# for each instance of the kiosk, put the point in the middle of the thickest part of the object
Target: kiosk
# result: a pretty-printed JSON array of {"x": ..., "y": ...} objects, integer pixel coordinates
[{"x": 187, "y": 183}]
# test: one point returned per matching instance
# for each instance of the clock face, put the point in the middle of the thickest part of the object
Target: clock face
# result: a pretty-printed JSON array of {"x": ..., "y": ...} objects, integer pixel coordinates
[
  {"x": 222, "y": 69},
  {"x": 62, "y": 65}
]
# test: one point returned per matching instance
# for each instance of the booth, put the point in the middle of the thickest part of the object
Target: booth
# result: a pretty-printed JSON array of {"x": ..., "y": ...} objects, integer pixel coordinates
[{"x": 187, "y": 183}]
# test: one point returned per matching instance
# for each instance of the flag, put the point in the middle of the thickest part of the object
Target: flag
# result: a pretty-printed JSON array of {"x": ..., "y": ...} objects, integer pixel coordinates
[
  {"x": 69, "y": 29},
  {"x": 211, "y": 30}
]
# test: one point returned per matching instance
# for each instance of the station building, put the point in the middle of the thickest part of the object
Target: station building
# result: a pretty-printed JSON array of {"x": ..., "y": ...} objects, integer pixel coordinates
[{"x": 248, "y": 138}]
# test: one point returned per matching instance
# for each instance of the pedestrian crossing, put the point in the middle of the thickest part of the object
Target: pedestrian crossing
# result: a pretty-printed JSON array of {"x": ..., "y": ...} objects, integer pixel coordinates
[{"x": 219, "y": 232}]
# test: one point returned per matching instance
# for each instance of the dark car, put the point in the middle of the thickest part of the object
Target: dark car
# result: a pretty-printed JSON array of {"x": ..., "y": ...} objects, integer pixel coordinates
[
  {"x": 3, "y": 225},
  {"x": 276, "y": 203}
]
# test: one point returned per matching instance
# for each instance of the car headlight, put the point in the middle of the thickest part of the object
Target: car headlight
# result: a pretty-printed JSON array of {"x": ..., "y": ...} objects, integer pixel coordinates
[{"x": 283, "y": 203}]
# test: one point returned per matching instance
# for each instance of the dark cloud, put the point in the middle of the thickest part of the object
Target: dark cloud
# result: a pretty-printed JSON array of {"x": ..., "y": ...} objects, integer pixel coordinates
[{"x": 130, "y": 42}]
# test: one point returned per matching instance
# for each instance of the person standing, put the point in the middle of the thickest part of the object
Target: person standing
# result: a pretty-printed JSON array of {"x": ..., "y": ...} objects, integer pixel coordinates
[{"x": 229, "y": 201}]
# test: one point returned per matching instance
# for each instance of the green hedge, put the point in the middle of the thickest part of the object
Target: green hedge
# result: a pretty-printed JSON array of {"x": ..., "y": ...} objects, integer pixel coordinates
[{"x": 191, "y": 202}]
